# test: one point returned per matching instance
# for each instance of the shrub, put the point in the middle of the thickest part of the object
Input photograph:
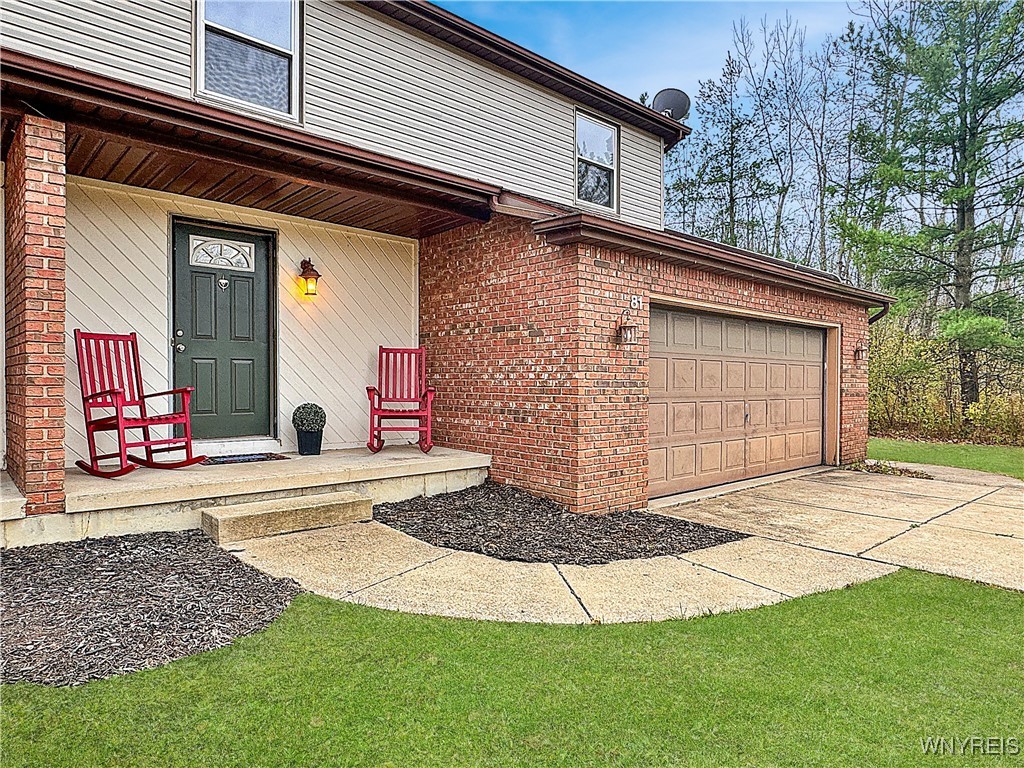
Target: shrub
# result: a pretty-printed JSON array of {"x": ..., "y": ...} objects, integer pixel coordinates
[{"x": 309, "y": 417}]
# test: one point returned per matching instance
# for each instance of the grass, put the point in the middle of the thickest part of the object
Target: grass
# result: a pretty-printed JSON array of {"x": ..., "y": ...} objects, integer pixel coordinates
[
  {"x": 1001, "y": 459},
  {"x": 853, "y": 677}
]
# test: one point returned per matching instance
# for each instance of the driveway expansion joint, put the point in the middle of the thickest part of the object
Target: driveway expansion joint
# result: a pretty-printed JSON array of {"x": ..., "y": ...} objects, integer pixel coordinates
[
  {"x": 733, "y": 575},
  {"x": 929, "y": 520},
  {"x": 573, "y": 592}
]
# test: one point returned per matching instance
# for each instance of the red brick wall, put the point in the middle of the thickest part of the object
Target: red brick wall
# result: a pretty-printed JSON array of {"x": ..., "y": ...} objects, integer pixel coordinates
[
  {"x": 521, "y": 343},
  {"x": 34, "y": 203}
]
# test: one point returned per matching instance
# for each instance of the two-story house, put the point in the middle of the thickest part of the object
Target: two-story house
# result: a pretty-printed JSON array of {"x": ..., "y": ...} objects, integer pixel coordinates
[{"x": 168, "y": 164}]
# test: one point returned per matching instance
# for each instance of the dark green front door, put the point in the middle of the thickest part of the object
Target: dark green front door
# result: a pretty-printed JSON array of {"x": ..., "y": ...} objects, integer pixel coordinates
[{"x": 222, "y": 329}]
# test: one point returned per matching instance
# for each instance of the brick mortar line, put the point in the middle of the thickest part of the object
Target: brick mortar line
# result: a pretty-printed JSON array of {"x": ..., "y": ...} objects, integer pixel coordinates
[
  {"x": 733, "y": 575},
  {"x": 929, "y": 520},
  {"x": 573, "y": 592}
]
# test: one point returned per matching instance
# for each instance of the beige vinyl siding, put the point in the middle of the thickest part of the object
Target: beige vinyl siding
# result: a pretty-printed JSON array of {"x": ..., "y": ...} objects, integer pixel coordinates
[
  {"x": 146, "y": 42},
  {"x": 369, "y": 82},
  {"x": 118, "y": 281},
  {"x": 381, "y": 86}
]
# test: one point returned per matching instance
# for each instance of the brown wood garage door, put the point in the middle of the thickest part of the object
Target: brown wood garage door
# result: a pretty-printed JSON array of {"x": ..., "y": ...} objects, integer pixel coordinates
[{"x": 731, "y": 399}]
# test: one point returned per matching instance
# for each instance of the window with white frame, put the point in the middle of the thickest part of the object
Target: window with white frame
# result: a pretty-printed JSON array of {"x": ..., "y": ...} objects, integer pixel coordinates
[
  {"x": 597, "y": 161},
  {"x": 248, "y": 53}
]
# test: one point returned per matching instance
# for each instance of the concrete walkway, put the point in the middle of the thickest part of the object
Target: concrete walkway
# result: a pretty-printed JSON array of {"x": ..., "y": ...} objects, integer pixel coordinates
[{"x": 810, "y": 534}]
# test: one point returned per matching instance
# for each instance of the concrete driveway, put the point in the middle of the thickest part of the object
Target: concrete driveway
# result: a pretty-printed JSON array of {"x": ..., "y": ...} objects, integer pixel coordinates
[
  {"x": 817, "y": 532},
  {"x": 961, "y": 523}
]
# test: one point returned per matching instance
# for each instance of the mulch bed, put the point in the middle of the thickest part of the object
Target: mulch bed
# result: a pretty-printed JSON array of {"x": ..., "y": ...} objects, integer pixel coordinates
[
  {"x": 97, "y": 608},
  {"x": 507, "y": 523}
]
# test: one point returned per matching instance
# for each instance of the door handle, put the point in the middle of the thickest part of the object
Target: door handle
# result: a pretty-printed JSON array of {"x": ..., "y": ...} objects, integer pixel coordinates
[{"x": 179, "y": 347}]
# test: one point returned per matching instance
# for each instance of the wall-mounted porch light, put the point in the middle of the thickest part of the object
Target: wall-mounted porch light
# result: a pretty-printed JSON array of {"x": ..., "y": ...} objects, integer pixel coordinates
[
  {"x": 308, "y": 276},
  {"x": 627, "y": 332},
  {"x": 860, "y": 353}
]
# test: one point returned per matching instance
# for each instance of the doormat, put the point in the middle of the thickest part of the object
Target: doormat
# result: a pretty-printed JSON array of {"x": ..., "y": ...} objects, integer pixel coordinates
[{"x": 242, "y": 458}]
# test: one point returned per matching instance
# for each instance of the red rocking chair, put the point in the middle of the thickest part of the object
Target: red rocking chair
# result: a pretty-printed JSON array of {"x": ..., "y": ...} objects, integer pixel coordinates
[
  {"x": 111, "y": 377},
  {"x": 403, "y": 394}
]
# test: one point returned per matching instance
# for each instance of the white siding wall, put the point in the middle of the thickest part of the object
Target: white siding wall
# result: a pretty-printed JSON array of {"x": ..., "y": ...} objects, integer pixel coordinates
[
  {"x": 117, "y": 281},
  {"x": 146, "y": 42},
  {"x": 369, "y": 82}
]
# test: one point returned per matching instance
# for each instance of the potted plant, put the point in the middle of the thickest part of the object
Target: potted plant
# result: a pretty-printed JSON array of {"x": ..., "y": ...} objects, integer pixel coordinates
[{"x": 309, "y": 420}]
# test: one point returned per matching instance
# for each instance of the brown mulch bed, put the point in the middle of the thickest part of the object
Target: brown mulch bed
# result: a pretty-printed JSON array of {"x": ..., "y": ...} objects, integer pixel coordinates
[
  {"x": 507, "y": 523},
  {"x": 93, "y": 609}
]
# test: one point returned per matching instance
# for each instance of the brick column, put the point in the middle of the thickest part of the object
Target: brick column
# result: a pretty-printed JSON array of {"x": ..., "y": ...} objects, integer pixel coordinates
[{"x": 34, "y": 203}]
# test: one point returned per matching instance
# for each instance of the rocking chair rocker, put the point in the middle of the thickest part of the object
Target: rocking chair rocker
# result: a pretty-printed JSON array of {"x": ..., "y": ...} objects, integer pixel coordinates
[
  {"x": 403, "y": 395},
  {"x": 110, "y": 373}
]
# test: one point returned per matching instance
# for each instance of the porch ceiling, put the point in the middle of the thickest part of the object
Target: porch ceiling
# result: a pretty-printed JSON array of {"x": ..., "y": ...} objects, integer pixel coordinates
[{"x": 128, "y": 135}]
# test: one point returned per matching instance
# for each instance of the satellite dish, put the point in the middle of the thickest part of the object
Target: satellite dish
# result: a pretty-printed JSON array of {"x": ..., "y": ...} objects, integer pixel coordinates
[{"x": 673, "y": 103}]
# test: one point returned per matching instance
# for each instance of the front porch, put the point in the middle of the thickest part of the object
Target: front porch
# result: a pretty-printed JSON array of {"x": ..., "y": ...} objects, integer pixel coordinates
[
  {"x": 101, "y": 196},
  {"x": 151, "y": 500}
]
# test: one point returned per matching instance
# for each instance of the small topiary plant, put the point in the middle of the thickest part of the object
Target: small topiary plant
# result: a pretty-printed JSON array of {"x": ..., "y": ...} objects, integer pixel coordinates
[{"x": 309, "y": 417}]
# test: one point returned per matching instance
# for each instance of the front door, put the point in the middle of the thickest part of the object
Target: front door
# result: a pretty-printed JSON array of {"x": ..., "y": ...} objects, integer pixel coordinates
[{"x": 222, "y": 329}]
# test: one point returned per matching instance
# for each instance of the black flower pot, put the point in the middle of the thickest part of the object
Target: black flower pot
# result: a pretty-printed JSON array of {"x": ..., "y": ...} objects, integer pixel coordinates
[{"x": 309, "y": 442}]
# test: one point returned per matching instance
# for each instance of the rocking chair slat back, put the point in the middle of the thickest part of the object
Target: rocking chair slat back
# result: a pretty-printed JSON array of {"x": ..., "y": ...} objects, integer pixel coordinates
[
  {"x": 401, "y": 374},
  {"x": 109, "y": 361}
]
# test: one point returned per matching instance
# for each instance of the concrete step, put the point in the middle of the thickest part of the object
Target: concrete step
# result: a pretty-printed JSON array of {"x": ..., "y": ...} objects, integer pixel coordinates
[{"x": 235, "y": 522}]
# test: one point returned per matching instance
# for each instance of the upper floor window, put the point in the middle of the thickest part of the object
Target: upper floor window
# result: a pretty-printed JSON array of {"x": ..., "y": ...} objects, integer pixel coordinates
[
  {"x": 248, "y": 53},
  {"x": 597, "y": 161}
]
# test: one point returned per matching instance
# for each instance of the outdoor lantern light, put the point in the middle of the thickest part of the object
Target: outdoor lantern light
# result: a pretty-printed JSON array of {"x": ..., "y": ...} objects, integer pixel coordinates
[
  {"x": 860, "y": 353},
  {"x": 628, "y": 330},
  {"x": 309, "y": 276}
]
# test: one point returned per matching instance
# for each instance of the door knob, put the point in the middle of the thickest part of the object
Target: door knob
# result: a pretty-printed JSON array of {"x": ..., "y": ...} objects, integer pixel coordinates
[{"x": 179, "y": 347}]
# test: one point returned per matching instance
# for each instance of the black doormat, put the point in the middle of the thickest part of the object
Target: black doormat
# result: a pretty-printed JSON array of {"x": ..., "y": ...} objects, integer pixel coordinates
[{"x": 242, "y": 458}]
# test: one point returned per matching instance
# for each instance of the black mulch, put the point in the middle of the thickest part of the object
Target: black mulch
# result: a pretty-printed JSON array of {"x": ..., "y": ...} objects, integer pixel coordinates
[
  {"x": 507, "y": 523},
  {"x": 102, "y": 607}
]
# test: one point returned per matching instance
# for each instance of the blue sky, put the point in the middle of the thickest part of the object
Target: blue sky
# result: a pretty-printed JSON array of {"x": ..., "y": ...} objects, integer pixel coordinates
[{"x": 632, "y": 47}]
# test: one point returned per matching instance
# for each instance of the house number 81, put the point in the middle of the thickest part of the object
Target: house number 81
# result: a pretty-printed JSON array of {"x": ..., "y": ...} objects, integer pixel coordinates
[{"x": 636, "y": 303}]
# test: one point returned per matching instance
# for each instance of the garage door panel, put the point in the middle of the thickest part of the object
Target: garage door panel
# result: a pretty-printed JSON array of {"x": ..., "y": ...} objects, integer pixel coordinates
[
  {"x": 735, "y": 375},
  {"x": 710, "y": 333},
  {"x": 684, "y": 419},
  {"x": 684, "y": 374},
  {"x": 659, "y": 376},
  {"x": 757, "y": 376},
  {"x": 735, "y": 454},
  {"x": 710, "y": 458},
  {"x": 757, "y": 450},
  {"x": 658, "y": 420},
  {"x": 710, "y": 417},
  {"x": 730, "y": 399},
  {"x": 734, "y": 415},
  {"x": 710, "y": 376},
  {"x": 684, "y": 461},
  {"x": 684, "y": 332},
  {"x": 657, "y": 464}
]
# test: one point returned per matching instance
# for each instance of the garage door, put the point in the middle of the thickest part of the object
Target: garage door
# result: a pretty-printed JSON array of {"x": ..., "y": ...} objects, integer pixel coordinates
[{"x": 731, "y": 399}]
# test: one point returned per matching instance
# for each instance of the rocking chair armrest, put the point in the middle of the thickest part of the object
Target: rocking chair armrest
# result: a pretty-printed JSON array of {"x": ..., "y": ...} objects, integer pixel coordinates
[
  {"x": 372, "y": 393},
  {"x": 103, "y": 394},
  {"x": 178, "y": 391}
]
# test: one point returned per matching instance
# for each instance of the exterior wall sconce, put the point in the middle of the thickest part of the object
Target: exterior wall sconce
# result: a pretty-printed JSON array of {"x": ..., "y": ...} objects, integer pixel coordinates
[
  {"x": 627, "y": 332},
  {"x": 860, "y": 353},
  {"x": 308, "y": 276}
]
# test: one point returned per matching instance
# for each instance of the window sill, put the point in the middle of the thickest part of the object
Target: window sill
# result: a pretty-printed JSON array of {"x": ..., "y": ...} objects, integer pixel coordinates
[{"x": 249, "y": 110}]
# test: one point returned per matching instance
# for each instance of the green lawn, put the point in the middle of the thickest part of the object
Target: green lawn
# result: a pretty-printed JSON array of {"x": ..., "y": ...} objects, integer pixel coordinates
[
  {"x": 854, "y": 677},
  {"x": 1003, "y": 459}
]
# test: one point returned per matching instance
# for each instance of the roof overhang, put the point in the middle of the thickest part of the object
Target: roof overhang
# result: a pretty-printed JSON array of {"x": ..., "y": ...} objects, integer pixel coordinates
[
  {"x": 697, "y": 252},
  {"x": 466, "y": 36},
  {"x": 126, "y": 134}
]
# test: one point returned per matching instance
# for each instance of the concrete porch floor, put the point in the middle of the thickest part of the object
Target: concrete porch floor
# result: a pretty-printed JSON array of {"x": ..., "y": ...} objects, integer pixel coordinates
[
  {"x": 296, "y": 474},
  {"x": 809, "y": 534},
  {"x": 165, "y": 500}
]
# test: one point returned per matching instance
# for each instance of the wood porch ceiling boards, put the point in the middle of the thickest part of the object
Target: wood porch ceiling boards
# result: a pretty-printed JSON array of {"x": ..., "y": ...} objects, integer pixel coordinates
[{"x": 127, "y": 135}]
